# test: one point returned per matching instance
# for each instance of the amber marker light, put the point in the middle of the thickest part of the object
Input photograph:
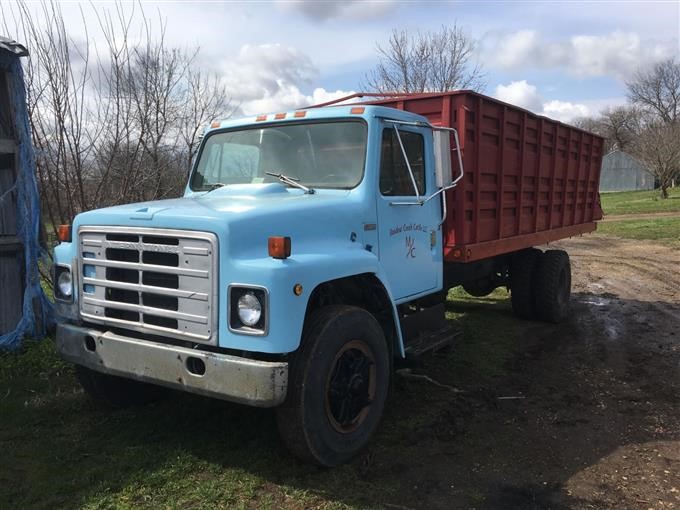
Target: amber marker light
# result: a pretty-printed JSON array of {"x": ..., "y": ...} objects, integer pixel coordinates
[
  {"x": 299, "y": 115},
  {"x": 279, "y": 247},
  {"x": 357, "y": 110},
  {"x": 297, "y": 289},
  {"x": 260, "y": 118},
  {"x": 280, "y": 116},
  {"x": 215, "y": 124},
  {"x": 64, "y": 233}
]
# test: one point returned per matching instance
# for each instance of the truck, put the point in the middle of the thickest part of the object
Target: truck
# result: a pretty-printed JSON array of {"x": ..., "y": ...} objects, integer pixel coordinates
[{"x": 313, "y": 250}]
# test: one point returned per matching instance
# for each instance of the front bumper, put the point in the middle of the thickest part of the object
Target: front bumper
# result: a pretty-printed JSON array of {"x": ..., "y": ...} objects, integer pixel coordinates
[{"x": 243, "y": 380}]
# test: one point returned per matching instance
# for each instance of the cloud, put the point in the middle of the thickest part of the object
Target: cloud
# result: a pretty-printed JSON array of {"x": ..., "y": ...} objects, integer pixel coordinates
[
  {"x": 320, "y": 10},
  {"x": 524, "y": 94},
  {"x": 618, "y": 53},
  {"x": 270, "y": 77},
  {"x": 520, "y": 93},
  {"x": 564, "y": 110}
]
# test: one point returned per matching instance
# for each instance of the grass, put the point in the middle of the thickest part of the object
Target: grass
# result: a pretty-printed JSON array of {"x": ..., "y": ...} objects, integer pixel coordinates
[
  {"x": 636, "y": 202},
  {"x": 60, "y": 450},
  {"x": 662, "y": 230}
]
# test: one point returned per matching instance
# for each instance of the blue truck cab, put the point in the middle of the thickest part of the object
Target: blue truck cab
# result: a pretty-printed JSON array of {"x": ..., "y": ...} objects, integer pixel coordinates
[{"x": 280, "y": 279}]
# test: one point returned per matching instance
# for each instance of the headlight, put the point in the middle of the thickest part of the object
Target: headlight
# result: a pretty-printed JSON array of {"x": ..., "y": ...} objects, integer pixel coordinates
[
  {"x": 249, "y": 309},
  {"x": 63, "y": 288}
]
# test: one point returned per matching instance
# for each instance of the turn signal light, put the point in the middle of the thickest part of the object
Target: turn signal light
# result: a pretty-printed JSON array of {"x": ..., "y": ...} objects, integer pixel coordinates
[
  {"x": 64, "y": 233},
  {"x": 279, "y": 247}
]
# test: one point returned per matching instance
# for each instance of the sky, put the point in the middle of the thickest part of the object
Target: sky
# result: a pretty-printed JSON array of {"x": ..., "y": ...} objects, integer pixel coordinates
[{"x": 561, "y": 59}]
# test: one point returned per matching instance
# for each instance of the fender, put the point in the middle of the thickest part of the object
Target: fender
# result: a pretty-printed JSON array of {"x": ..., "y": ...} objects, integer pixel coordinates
[{"x": 287, "y": 312}]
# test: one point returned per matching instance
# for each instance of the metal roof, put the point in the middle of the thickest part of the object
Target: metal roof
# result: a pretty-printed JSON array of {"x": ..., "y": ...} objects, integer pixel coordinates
[{"x": 13, "y": 47}]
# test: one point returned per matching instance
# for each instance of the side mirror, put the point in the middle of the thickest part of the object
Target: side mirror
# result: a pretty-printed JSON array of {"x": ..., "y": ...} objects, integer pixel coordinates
[{"x": 442, "y": 158}]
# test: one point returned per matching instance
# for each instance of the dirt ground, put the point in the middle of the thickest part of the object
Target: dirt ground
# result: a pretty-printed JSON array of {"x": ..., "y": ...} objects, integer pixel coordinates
[{"x": 593, "y": 414}]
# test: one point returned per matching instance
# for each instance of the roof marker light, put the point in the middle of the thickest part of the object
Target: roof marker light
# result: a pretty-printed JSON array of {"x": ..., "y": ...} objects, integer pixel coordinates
[
  {"x": 215, "y": 124},
  {"x": 298, "y": 115},
  {"x": 260, "y": 118},
  {"x": 357, "y": 110},
  {"x": 280, "y": 116}
]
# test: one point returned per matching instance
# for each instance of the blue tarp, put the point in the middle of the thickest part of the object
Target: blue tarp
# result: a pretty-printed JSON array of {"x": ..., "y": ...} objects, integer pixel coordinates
[{"x": 28, "y": 213}]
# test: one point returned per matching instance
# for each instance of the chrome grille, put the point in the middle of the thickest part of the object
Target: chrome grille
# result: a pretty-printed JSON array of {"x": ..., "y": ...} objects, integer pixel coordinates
[{"x": 155, "y": 281}]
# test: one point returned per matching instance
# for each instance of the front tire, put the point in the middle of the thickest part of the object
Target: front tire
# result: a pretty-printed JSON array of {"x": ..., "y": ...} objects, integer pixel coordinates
[
  {"x": 116, "y": 392},
  {"x": 338, "y": 384}
]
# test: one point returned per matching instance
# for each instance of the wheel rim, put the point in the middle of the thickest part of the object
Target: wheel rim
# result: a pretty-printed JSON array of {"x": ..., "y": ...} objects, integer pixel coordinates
[{"x": 350, "y": 387}]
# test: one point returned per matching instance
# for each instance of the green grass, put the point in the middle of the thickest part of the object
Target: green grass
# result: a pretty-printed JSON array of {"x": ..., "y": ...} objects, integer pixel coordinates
[
  {"x": 60, "y": 450},
  {"x": 663, "y": 230},
  {"x": 635, "y": 202}
]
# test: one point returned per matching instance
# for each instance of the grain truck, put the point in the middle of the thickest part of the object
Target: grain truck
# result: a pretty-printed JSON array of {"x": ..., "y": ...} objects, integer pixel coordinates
[{"x": 314, "y": 248}]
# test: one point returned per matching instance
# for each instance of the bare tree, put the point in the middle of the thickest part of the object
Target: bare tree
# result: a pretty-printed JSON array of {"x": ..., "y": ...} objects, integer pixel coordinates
[
  {"x": 426, "y": 62},
  {"x": 657, "y": 90},
  {"x": 618, "y": 125},
  {"x": 658, "y": 148},
  {"x": 114, "y": 124}
]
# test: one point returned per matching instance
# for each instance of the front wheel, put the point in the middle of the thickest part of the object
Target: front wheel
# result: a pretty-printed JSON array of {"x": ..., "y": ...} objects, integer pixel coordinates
[{"x": 338, "y": 383}]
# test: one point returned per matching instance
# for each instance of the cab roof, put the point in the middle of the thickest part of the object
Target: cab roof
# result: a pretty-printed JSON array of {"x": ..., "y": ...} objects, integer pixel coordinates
[{"x": 365, "y": 112}]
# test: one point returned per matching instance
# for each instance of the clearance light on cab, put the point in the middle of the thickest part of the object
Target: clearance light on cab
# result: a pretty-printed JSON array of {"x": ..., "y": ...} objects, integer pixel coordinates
[{"x": 279, "y": 247}]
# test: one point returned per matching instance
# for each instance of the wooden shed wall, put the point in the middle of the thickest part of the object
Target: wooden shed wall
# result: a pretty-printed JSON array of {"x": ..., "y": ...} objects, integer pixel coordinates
[{"x": 11, "y": 249}]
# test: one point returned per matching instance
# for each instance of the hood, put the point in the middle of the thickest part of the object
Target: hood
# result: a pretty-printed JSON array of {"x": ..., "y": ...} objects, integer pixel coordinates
[{"x": 243, "y": 211}]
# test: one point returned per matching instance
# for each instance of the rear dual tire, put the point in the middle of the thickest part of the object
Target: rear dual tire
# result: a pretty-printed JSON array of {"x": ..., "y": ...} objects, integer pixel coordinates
[{"x": 540, "y": 284}]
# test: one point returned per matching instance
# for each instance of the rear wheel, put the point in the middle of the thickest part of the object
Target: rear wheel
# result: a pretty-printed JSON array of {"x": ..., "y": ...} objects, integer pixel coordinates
[
  {"x": 553, "y": 286},
  {"x": 522, "y": 274},
  {"x": 116, "y": 391},
  {"x": 338, "y": 383}
]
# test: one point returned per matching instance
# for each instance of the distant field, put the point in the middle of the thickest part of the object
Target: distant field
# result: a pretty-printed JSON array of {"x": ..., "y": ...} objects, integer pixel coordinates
[
  {"x": 633, "y": 202},
  {"x": 663, "y": 230}
]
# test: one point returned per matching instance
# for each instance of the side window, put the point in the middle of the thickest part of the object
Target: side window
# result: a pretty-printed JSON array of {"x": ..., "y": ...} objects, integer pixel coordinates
[{"x": 394, "y": 176}]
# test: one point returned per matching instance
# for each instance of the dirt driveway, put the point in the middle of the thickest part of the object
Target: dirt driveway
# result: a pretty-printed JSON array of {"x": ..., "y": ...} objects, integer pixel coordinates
[{"x": 593, "y": 418}]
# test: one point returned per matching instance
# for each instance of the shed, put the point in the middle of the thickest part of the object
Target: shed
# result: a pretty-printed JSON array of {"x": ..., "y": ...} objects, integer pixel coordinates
[
  {"x": 622, "y": 172},
  {"x": 24, "y": 308}
]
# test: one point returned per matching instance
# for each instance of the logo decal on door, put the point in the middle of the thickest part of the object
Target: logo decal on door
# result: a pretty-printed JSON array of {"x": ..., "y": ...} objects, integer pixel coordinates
[{"x": 410, "y": 247}]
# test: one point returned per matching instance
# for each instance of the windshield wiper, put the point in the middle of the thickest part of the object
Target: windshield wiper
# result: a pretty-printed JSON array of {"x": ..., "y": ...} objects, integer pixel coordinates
[
  {"x": 291, "y": 181},
  {"x": 215, "y": 186}
]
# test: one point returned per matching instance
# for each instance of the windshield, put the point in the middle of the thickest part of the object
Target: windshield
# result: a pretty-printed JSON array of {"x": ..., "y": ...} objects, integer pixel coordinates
[{"x": 319, "y": 155}]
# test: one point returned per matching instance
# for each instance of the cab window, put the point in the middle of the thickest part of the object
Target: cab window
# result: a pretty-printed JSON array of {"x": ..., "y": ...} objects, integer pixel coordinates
[{"x": 394, "y": 175}]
